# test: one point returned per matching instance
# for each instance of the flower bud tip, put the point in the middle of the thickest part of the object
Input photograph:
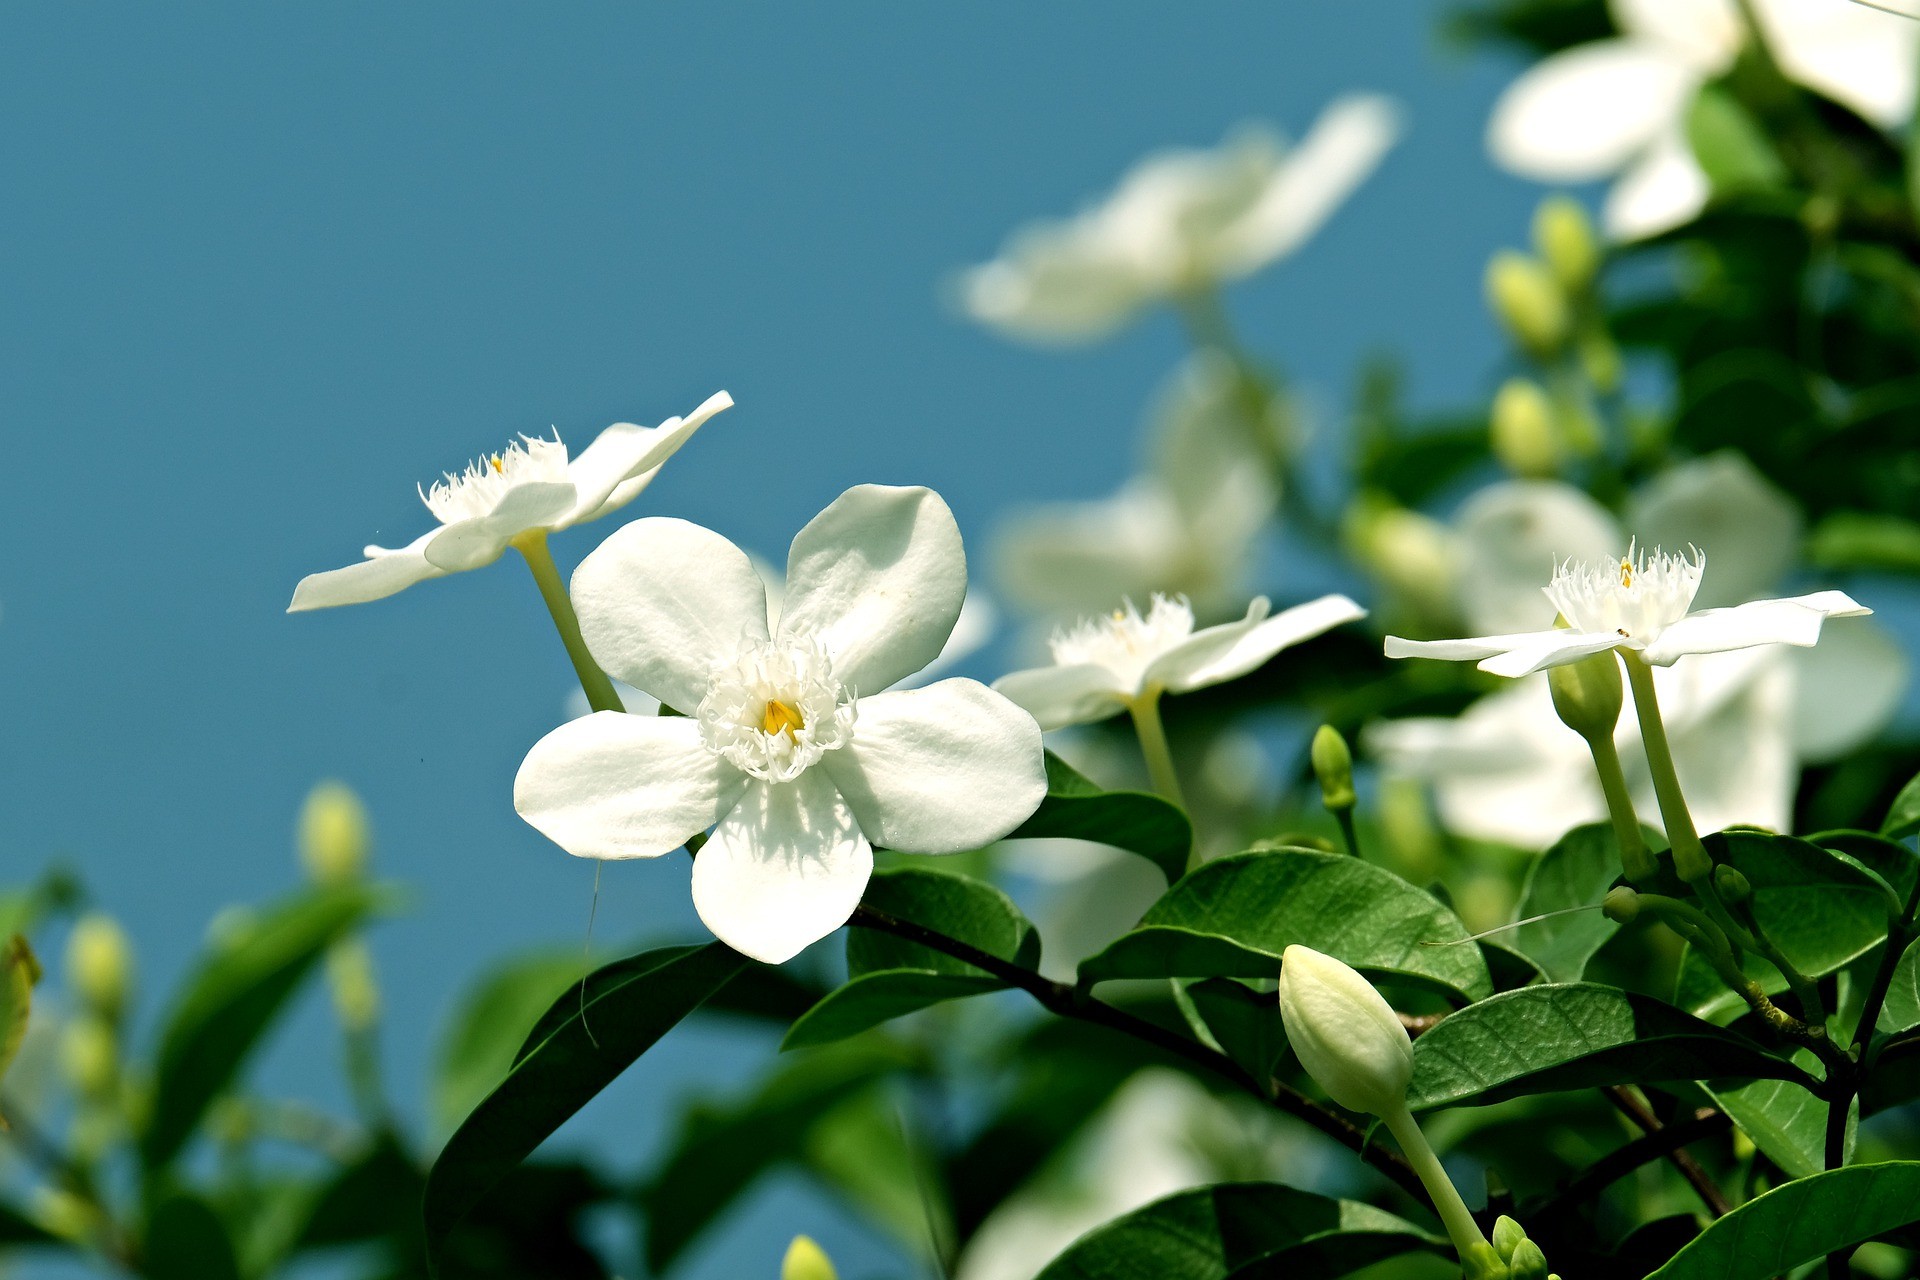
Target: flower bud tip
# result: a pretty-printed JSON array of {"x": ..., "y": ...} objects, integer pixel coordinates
[{"x": 1333, "y": 766}]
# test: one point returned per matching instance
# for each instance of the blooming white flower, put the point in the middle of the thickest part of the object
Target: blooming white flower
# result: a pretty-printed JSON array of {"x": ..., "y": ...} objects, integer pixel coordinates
[
  {"x": 1639, "y": 603},
  {"x": 1621, "y": 104},
  {"x": 1179, "y": 221},
  {"x": 1345, "y": 1033},
  {"x": 1110, "y": 663},
  {"x": 532, "y": 485},
  {"x": 788, "y": 743}
]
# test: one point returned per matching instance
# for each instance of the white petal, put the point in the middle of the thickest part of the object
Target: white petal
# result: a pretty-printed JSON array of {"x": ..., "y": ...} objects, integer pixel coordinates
[
  {"x": 1856, "y": 55},
  {"x": 470, "y": 544},
  {"x": 1314, "y": 179},
  {"x": 783, "y": 870},
  {"x": 1055, "y": 285},
  {"x": 1703, "y": 34},
  {"x": 662, "y": 600},
  {"x": 1075, "y": 558},
  {"x": 1084, "y": 693},
  {"x": 950, "y": 767},
  {"x": 1736, "y": 763},
  {"x": 971, "y": 631},
  {"x": 1469, "y": 649},
  {"x": 1722, "y": 502},
  {"x": 1846, "y": 688},
  {"x": 611, "y": 785},
  {"x": 1585, "y": 113},
  {"x": 1511, "y": 535},
  {"x": 1554, "y": 649},
  {"x": 383, "y": 573},
  {"x": 878, "y": 579},
  {"x": 605, "y": 472},
  {"x": 1665, "y": 188},
  {"x": 1216, "y": 655},
  {"x": 1793, "y": 621}
]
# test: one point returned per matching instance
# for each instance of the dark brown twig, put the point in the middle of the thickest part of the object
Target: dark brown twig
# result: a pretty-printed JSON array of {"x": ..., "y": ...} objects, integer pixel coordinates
[{"x": 1635, "y": 1108}]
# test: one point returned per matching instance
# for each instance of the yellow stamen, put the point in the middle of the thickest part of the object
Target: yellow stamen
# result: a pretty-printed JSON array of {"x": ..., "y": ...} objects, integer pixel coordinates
[
  {"x": 495, "y": 461},
  {"x": 1626, "y": 573},
  {"x": 781, "y": 717}
]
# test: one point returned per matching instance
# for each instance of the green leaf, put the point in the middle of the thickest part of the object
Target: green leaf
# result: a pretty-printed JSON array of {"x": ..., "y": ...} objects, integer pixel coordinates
[
  {"x": 1244, "y": 1230},
  {"x": 1731, "y": 147},
  {"x": 19, "y": 971},
  {"x": 1801, "y": 1221},
  {"x": 1903, "y": 816},
  {"x": 1246, "y": 1023},
  {"x": 489, "y": 1025},
  {"x": 1576, "y": 872},
  {"x": 722, "y": 1149},
  {"x": 1855, "y": 540},
  {"x": 582, "y": 1043},
  {"x": 1077, "y": 809},
  {"x": 1234, "y": 916},
  {"x": 1552, "y": 1038},
  {"x": 1902, "y": 1009},
  {"x": 1784, "y": 1120},
  {"x": 226, "y": 1006},
  {"x": 892, "y": 976},
  {"x": 187, "y": 1241},
  {"x": 18, "y": 1231}
]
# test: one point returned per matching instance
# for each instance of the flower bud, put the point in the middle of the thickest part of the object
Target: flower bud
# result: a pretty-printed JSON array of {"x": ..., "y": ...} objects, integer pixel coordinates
[
  {"x": 1333, "y": 766},
  {"x": 1522, "y": 430},
  {"x": 1587, "y": 695},
  {"x": 1600, "y": 359},
  {"x": 1346, "y": 1035},
  {"x": 1734, "y": 888},
  {"x": 1528, "y": 301},
  {"x": 1621, "y": 905},
  {"x": 806, "y": 1260},
  {"x": 100, "y": 964},
  {"x": 90, "y": 1056},
  {"x": 1507, "y": 1236},
  {"x": 1563, "y": 235},
  {"x": 1528, "y": 1262},
  {"x": 334, "y": 834}
]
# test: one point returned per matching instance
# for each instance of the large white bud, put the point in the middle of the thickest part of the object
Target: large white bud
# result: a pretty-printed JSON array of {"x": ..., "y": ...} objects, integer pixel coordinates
[{"x": 1348, "y": 1037}]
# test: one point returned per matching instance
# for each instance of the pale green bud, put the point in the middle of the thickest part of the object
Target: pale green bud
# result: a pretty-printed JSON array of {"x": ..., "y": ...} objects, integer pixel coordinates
[
  {"x": 1411, "y": 554},
  {"x": 1529, "y": 1262},
  {"x": 1522, "y": 430},
  {"x": 806, "y": 1260},
  {"x": 1333, "y": 766},
  {"x": 1621, "y": 905},
  {"x": 1600, "y": 358},
  {"x": 1587, "y": 695},
  {"x": 356, "y": 992},
  {"x": 1563, "y": 235},
  {"x": 90, "y": 1056},
  {"x": 334, "y": 834},
  {"x": 1734, "y": 887},
  {"x": 64, "y": 1214},
  {"x": 100, "y": 963},
  {"x": 1528, "y": 301},
  {"x": 1346, "y": 1035},
  {"x": 1507, "y": 1236},
  {"x": 1478, "y": 1261}
]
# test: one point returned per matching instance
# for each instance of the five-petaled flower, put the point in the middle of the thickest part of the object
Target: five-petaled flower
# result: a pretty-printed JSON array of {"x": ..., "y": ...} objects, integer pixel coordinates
[
  {"x": 1112, "y": 663},
  {"x": 1638, "y": 604},
  {"x": 530, "y": 487},
  {"x": 788, "y": 747}
]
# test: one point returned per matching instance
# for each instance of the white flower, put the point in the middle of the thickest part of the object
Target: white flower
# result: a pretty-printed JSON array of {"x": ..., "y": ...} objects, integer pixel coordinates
[
  {"x": 1639, "y": 603},
  {"x": 1179, "y": 221},
  {"x": 1188, "y": 525},
  {"x": 530, "y": 486},
  {"x": 1345, "y": 1033},
  {"x": 789, "y": 744},
  {"x": 1621, "y": 104},
  {"x": 1109, "y": 663}
]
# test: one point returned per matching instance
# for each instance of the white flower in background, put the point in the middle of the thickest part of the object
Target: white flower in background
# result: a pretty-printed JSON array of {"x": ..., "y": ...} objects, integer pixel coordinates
[
  {"x": 1619, "y": 106},
  {"x": 788, "y": 743},
  {"x": 531, "y": 486},
  {"x": 1111, "y": 663},
  {"x": 1741, "y": 725},
  {"x": 1179, "y": 221},
  {"x": 1188, "y": 525}
]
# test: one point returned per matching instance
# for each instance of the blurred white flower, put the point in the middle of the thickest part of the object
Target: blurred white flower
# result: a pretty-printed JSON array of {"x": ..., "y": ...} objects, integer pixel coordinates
[
  {"x": 530, "y": 486},
  {"x": 1119, "y": 660},
  {"x": 1179, "y": 221},
  {"x": 1188, "y": 526},
  {"x": 1619, "y": 106},
  {"x": 874, "y": 586}
]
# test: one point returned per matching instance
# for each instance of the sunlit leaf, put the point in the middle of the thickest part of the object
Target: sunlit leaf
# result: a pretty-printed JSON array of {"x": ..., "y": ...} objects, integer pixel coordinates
[{"x": 1801, "y": 1221}]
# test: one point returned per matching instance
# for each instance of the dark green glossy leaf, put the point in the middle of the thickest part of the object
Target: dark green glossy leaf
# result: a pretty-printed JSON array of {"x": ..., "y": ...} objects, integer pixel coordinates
[
  {"x": 873, "y": 998},
  {"x": 229, "y": 1001},
  {"x": 1576, "y": 872},
  {"x": 1077, "y": 809},
  {"x": 1240, "y": 1231},
  {"x": 187, "y": 1241},
  {"x": 490, "y": 1023},
  {"x": 1551, "y": 1038},
  {"x": 585, "y": 1040},
  {"x": 1801, "y": 1221},
  {"x": 1902, "y": 1009},
  {"x": 1903, "y": 816},
  {"x": 1784, "y": 1120},
  {"x": 1234, "y": 916},
  {"x": 1246, "y": 1023}
]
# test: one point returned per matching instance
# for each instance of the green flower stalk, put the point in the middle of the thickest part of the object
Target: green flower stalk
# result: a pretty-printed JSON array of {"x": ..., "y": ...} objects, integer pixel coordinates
[{"x": 1587, "y": 696}]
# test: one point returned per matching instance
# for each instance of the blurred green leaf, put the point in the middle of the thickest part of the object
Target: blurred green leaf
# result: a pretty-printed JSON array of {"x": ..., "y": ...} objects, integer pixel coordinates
[
  {"x": 489, "y": 1025},
  {"x": 1800, "y": 1222},
  {"x": 1077, "y": 809},
  {"x": 1246, "y": 1023},
  {"x": 1234, "y": 916},
  {"x": 187, "y": 1241},
  {"x": 226, "y": 1005},
  {"x": 1859, "y": 540},
  {"x": 19, "y": 1231},
  {"x": 585, "y": 1040},
  {"x": 1576, "y": 872},
  {"x": 1730, "y": 145},
  {"x": 722, "y": 1148},
  {"x": 1241, "y": 1230},
  {"x": 19, "y": 971},
  {"x": 1552, "y": 1038}
]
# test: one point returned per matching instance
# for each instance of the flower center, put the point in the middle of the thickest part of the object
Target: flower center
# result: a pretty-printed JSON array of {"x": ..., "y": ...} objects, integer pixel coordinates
[
  {"x": 775, "y": 709},
  {"x": 1124, "y": 641},
  {"x": 1638, "y": 596},
  {"x": 478, "y": 490}
]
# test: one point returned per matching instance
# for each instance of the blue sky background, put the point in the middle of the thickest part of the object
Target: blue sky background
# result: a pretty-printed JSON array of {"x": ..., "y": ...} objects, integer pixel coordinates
[{"x": 266, "y": 267}]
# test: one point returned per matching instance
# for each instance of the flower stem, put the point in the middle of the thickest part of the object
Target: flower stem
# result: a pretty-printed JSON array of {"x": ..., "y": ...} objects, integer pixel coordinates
[
  {"x": 1690, "y": 857},
  {"x": 1145, "y": 711},
  {"x": 1468, "y": 1239},
  {"x": 532, "y": 547},
  {"x": 1634, "y": 858},
  {"x": 1347, "y": 832}
]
